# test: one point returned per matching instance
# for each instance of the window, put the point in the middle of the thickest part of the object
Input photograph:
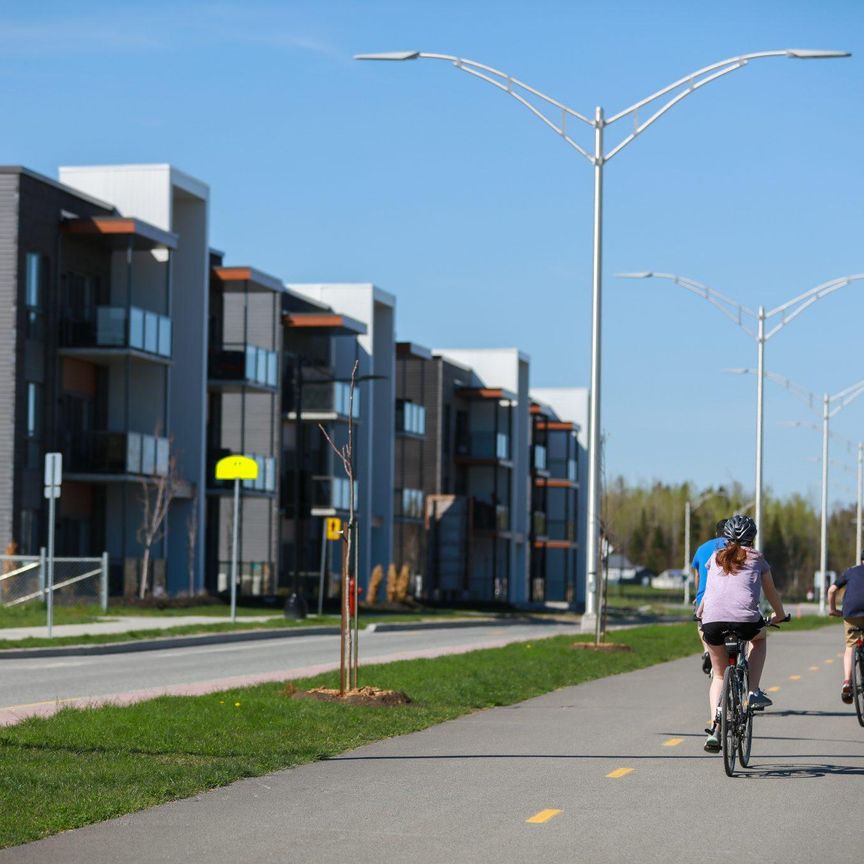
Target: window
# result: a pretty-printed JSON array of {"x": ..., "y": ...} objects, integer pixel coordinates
[
  {"x": 29, "y": 532},
  {"x": 33, "y": 290},
  {"x": 34, "y": 409},
  {"x": 412, "y": 503},
  {"x": 410, "y": 417}
]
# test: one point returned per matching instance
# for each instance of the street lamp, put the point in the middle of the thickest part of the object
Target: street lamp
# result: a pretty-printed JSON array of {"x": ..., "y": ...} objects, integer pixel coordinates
[
  {"x": 736, "y": 312},
  {"x": 545, "y": 108},
  {"x": 831, "y": 406}
]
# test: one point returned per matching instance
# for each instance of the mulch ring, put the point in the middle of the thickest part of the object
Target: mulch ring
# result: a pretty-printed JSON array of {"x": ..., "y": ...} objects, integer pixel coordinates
[
  {"x": 360, "y": 696},
  {"x": 607, "y": 647}
]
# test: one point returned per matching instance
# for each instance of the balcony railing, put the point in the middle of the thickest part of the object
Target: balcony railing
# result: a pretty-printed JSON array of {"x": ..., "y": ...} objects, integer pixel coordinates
[
  {"x": 331, "y": 493},
  {"x": 118, "y": 453},
  {"x": 538, "y": 521},
  {"x": 539, "y": 457},
  {"x": 564, "y": 469},
  {"x": 561, "y": 529},
  {"x": 484, "y": 445},
  {"x": 329, "y": 397},
  {"x": 117, "y": 327},
  {"x": 244, "y": 363},
  {"x": 491, "y": 517}
]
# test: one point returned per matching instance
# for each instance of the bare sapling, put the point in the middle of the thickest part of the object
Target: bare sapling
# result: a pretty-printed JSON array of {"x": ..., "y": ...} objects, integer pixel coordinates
[
  {"x": 191, "y": 541},
  {"x": 345, "y": 454},
  {"x": 157, "y": 493}
]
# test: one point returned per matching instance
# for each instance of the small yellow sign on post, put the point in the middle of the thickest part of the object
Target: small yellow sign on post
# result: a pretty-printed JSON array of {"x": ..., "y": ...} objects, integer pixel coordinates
[
  {"x": 334, "y": 528},
  {"x": 236, "y": 467}
]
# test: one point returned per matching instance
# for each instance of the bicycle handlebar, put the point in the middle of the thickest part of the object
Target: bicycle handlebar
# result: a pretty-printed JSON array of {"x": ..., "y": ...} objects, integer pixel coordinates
[{"x": 776, "y": 624}]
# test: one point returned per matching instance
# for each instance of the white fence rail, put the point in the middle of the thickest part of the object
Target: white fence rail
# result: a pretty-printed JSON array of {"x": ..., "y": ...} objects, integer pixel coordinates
[{"x": 24, "y": 579}]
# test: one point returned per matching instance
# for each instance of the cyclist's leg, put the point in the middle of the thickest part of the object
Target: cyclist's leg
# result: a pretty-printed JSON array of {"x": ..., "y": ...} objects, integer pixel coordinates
[
  {"x": 756, "y": 658},
  {"x": 719, "y": 661}
]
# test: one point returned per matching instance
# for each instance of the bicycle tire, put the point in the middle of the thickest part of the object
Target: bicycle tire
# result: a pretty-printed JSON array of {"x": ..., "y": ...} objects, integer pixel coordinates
[
  {"x": 728, "y": 721},
  {"x": 858, "y": 684},
  {"x": 745, "y": 739}
]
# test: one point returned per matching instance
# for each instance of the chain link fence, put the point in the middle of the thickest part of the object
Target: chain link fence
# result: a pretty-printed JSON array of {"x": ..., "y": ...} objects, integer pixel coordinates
[{"x": 24, "y": 579}]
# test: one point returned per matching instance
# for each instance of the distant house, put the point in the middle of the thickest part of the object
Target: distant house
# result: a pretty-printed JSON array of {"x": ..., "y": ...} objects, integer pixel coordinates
[{"x": 669, "y": 579}]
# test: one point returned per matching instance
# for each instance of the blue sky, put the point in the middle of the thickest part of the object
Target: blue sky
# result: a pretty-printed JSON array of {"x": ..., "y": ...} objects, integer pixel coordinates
[{"x": 450, "y": 195}]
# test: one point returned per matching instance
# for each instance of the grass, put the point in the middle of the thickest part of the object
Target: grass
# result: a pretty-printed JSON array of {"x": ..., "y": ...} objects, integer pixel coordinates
[
  {"x": 83, "y": 766},
  {"x": 276, "y": 622}
]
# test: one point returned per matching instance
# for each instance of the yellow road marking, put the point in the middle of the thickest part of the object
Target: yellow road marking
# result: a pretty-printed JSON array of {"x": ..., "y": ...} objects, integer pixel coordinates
[
  {"x": 794, "y": 677},
  {"x": 672, "y": 742},
  {"x": 814, "y": 668},
  {"x": 830, "y": 660},
  {"x": 619, "y": 772},
  {"x": 773, "y": 689},
  {"x": 542, "y": 816}
]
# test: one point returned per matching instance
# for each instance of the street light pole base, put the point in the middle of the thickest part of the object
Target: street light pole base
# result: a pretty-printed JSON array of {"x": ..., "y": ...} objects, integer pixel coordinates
[
  {"x": 295, "y": 607},
  {"x": 588, "y": 623}
]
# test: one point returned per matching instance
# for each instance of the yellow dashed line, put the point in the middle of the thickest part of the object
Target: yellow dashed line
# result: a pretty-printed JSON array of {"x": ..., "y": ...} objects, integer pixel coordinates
[
  {"x": 794, "y": 677},
  {"x": 542, "y": 816},
  {"x": 619, "y": 772},
  {"x": 672, "y": 742},
  {"x": 773, "y": 689},
  {"x": 814, "y": 668},
  {"x": 830, "y": 660}
]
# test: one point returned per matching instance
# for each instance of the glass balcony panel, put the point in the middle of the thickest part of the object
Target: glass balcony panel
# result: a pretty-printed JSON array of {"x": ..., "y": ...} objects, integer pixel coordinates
[
  {"x": 110, "y": 326},
  {"x": 272, "y": 361},
  {"x": 163, "y": 457},
  {"x": 539, "y": 523},
  {"x": 270, "y": 474},
  {"x": 164, "y": 336},
  {"x": 539, "y": 457},
  {"x": 133, "y": 453},
  {"x": 148, "y": 455}
]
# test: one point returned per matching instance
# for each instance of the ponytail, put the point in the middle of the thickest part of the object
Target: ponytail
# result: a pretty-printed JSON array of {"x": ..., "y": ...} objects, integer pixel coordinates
[{"x": 732, "y": 557}]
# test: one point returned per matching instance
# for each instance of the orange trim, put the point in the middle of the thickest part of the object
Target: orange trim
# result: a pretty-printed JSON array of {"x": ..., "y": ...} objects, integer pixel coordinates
[
  {"x": 118, "y": 226},
  {"x": 233, "y": 274},
  {"x": 555, "y": 483},
  {"x": 554, "y": 544},
  {"x": 538, "y": 409},
  {"x": 313, "y": 320},
  {"x": 560, "y": 426},
  {"x": 483, "y": 393}
]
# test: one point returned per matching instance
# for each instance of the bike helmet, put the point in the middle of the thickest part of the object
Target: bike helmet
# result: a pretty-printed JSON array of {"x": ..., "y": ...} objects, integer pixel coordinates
[{"x": 740, "y": 529}]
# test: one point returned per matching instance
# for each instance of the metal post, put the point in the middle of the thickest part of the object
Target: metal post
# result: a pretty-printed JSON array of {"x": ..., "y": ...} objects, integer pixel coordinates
[
  {"x": 593, "y": 505},
  {"x": 235, "y": 532},
  {"x": 52, "y": 503},
  {"x": 323, "y": 565},
  {"x": 43, "y": 570},
  {"x": 760, "y": 436},
  {"x": 687, "y": 552},
  {"x": 104, "y": 588},
  {"x": 860, "y": 495},
  {"x": 823, "y": 531}
]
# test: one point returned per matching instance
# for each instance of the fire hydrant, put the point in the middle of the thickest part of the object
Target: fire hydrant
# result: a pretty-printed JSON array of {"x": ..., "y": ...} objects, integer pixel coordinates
[{"x": 352, "y": 606}]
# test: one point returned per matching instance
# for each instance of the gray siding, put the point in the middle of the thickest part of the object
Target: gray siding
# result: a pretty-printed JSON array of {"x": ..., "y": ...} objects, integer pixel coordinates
[{"x": 9, "y": 197}]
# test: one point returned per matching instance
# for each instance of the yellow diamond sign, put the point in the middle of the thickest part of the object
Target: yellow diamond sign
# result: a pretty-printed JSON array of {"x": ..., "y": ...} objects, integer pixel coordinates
[
  {"x": 236, "y": 467},
  {"x": 334, "y": 528}
]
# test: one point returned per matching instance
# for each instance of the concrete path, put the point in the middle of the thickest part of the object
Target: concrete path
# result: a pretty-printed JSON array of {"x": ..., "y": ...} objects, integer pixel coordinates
[
  {"x": 123, "y": 624},
  {"x": 42, "y": 685},
  {"x": 611, "y": 771}
]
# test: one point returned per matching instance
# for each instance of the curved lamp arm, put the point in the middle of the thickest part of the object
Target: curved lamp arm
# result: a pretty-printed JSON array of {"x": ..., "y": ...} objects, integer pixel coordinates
[
  {"x": 732, "y": 309},
  {"x": 814, "y": 401},
  {"x": 523, "y": 93},
  {"x": 798, "y": 304}
]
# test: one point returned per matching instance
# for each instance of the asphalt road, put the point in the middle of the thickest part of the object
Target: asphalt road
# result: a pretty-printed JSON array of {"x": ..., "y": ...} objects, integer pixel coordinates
[
  {"x": 612, "y": 771},
  {"x": 39, "y": 680}
]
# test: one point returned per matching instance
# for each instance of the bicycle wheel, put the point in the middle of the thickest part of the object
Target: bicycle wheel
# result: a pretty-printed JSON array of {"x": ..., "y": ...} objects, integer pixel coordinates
[
  {"x": 858, "y": 684},
  {"x": 745, "y": 714},
  {"x": 728, "y": 721}
]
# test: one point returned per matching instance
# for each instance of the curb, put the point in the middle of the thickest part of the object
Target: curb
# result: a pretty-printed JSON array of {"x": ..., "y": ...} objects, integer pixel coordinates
[{"x": 165, "y": 642}]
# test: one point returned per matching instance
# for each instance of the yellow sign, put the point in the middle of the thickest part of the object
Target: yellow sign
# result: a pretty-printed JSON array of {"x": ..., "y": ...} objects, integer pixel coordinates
[
  {"x": 334, "y": 528},
  {"x": 236, "y": 468}
]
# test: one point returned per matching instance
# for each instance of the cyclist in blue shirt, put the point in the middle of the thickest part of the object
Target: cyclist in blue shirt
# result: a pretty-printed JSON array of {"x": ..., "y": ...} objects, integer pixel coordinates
[
  {"x": 700, "y": 568},
  {"x": 853, "y": 618}
]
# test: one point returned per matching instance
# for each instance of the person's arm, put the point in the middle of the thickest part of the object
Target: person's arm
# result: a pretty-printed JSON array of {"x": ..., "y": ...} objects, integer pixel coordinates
[
  {"x": 832, "y": 596},
  {"x": 772, "y": 596},
  {"x": 695, "y": 571}
]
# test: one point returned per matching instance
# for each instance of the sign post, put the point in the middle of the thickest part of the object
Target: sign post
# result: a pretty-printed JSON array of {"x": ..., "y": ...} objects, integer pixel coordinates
[
  {"x": 236, "y": 468},
  {"x": 53, "y": 479},
  {"x": 332, "y": 531}
]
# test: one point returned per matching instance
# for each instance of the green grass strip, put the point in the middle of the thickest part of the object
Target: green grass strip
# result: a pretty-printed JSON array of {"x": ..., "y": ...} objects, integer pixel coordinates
[{"x": 84, "y": 766}]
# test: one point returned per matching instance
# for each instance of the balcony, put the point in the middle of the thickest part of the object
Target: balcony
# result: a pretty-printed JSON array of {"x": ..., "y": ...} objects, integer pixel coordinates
[
  {"x": 493, "y": 518},
  {"x": 561, "y": 529},
  {"x": 324, "y": 400},
  {"x": 117, "y": 453},
  {"x": 563, "y": 469},
  {"x": 538, "y": 523},
  {"x": 484, "y": 447},
  {"x": 540, "y": 457},
  {"x": 113, "y": 328},
  {"x": 244, "y": 364},
  {"x": 330, "y": 494}
]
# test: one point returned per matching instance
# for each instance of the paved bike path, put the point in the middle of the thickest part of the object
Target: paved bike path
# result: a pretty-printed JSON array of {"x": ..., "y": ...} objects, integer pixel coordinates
[{"x": 462, "y": 791}]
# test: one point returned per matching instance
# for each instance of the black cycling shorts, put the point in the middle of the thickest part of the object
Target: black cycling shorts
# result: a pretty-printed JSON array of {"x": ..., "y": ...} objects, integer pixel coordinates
[{"x": 714, "y": 632}]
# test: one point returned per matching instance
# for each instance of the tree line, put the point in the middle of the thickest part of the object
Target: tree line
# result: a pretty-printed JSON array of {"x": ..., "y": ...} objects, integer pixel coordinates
[{"x": 646, "y": 523}]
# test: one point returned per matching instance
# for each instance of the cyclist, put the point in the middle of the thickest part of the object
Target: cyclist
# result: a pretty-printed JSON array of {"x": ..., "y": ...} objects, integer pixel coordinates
[
  {"x": 700, "y": 573},
  {"x": 853, "y": 617},
  {"x": 737, "y": 574}
]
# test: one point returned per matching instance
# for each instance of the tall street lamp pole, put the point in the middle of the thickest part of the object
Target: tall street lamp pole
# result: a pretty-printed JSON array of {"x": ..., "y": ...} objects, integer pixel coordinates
[
  {"x": 737, "y": 312},
  {"x": 858, "y": 508},
  {"x": 555, "y": 115},
  {"x": 832, "y": 405},
  {"x": 689, "y": 507}
]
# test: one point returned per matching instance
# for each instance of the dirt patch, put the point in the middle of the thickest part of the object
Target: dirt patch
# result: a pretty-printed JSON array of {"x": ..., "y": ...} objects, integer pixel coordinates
[
  {"x": 607, "y": 647},
  {"x": 359, "y": 696}
]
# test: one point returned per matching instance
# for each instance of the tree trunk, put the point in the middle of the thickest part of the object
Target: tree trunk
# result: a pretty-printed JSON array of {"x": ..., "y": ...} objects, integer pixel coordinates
[{"x": 145, "y": 570}]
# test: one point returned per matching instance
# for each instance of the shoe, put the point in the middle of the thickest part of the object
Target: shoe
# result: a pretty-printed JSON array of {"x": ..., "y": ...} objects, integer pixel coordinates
[
  {"x": 712, "y": 743},
  {"x": 758, "y": 700},
  {"x": 706, "y": 663},
  {"x": 846, "y": 692}
]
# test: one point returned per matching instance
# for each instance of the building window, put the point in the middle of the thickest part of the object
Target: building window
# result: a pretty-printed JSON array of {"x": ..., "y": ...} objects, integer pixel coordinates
[
  {"x": 412, "y": 503},
  {"x": 410, "y": 417},
  {"x": 29, "y": 532},
  {"x": 33, "y": 290},
  {"x": 33, "y": 424}
]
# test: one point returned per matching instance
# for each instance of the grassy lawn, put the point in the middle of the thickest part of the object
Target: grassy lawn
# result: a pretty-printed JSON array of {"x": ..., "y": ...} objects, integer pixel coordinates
[{"x": 83, "y": 766}]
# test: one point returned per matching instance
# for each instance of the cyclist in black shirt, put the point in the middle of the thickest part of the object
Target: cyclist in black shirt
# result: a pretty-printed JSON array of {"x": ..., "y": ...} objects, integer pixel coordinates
[{"x": 853, "y": 617}]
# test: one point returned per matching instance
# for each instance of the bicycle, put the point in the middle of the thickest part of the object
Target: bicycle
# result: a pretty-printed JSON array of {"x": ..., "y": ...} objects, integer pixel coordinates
[
  {"x": 736, "y": 713},
  {"x": 858, "y": 674}
]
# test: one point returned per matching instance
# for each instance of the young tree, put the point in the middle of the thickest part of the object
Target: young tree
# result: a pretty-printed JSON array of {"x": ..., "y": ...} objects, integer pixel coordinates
[
  {"x": 157, "y": 493},
  {"x": 192, "y": 540}
]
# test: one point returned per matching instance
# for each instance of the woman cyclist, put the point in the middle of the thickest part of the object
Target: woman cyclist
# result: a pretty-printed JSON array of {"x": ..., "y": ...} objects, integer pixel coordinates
[{"x": 737, "y": 574}]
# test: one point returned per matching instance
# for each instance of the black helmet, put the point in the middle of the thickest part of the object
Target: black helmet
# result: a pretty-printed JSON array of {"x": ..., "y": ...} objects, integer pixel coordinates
[{"x": 740, "y": 529}]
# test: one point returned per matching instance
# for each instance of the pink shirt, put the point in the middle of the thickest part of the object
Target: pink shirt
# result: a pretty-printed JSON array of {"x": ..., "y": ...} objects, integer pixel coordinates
[{"x": 734, "y": 597}]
